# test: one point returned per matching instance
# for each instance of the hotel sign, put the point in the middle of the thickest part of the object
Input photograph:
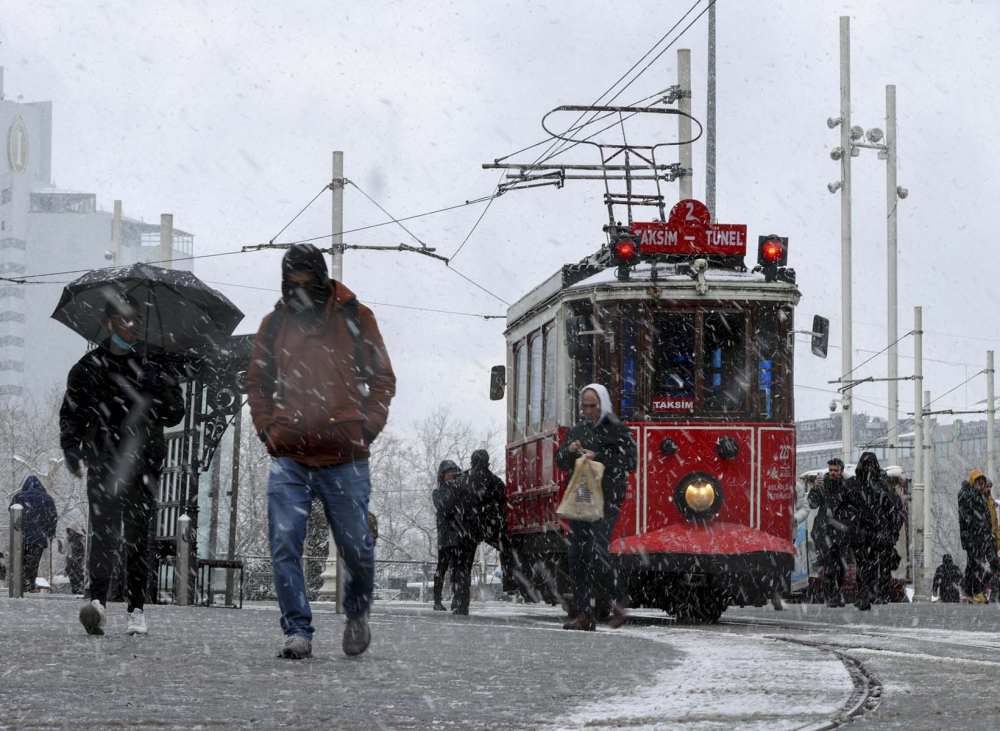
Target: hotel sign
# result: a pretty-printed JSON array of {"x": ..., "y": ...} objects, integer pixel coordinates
[{"x": 17, "y": 146}]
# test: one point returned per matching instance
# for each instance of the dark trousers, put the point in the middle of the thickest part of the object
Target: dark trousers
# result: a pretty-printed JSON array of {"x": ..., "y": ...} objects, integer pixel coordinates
[
  {"x": 886, "y": 560},
  {"x": 32, "y": 557},
  {"x": 116, "y": 504},
  {"x": 444, "y": 558},
  {"x": 833, "y": 559},
  {"x": 976, "y": 574},
  {"x": 461, "y": 558},
  {"x": 75, "y": 572},
  {"x": 590, "y": 564},
  {"x": 866, "y": 574}
]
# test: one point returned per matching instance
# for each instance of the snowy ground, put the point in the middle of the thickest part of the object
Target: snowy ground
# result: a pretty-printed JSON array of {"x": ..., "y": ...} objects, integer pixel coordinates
[{"x": 506, "y": 667}]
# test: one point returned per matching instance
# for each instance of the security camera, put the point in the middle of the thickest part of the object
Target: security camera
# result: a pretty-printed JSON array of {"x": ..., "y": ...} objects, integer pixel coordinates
[
  {"x": 874, "y": 135},
  {"x": 832, "y": 122},
  {"x": 836, "y": 153},
  {"x": 857, "y": 133},
  {"x": 109, "y": 255},
  {"x": 834, "y": 186},
  {"x": 833, "y": 405},
  {"x": 699, "y": 265},
  {"x": 901, "y": 191}
]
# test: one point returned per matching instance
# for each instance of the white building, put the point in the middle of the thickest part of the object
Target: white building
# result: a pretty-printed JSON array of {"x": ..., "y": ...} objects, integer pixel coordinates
[{"x": 43, "y": 229}]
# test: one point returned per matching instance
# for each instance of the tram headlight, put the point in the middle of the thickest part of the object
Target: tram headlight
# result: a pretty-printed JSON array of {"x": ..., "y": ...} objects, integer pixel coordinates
[{"x": 698, "y": 496}]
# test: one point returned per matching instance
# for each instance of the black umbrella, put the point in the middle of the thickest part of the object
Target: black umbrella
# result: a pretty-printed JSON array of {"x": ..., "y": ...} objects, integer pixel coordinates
[{"x": 179, "y": 310}]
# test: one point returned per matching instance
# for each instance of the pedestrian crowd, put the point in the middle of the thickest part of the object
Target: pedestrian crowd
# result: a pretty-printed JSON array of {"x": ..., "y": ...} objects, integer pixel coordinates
[{"x": 857, "y": 518}]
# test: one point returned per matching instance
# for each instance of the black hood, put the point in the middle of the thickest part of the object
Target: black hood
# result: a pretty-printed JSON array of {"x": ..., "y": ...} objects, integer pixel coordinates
[
  {"x": 480, "y": 460},
  {"x": 868, "y": 467},
  {"x": 946, "y": 559},
  {"x": 313, "y": 297},
  {"x": 444, "y": 467}
]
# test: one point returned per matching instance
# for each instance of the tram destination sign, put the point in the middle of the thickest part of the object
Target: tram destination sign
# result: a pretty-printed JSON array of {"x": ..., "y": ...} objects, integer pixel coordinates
[
  {"x": 673, "y": 403},
  {"x": 689, "y": 230}
]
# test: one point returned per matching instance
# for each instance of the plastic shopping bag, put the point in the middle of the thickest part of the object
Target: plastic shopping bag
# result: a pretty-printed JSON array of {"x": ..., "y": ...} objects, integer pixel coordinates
[{"x": 583, "y": 499}]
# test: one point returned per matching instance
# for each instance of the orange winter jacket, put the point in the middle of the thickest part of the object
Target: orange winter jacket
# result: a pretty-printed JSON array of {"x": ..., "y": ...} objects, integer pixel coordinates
[{"x": 306, "y": 396}]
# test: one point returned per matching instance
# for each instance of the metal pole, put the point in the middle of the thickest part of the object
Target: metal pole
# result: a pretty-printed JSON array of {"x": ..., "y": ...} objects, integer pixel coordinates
[
  {"x": 916, "y": 516},
  {"x": 234, "y": 498},
  {"x": 710, "y": 119},
  {"x": 846, "y": 346},
  {"x": 684, "y": 123},
  {"x": 166, "y": 241},
  {"x": 929, "y": 452},
  {"x": 991, "y": 413},
  {"x": 891, "y": 200},
  {"x": 337, "y": 221},
  {"x": 182, "y": 569},
  {"x": 116, "y": 235},
  {"x": 15, "y": 578},
  {"x": 341, "y": 576}
]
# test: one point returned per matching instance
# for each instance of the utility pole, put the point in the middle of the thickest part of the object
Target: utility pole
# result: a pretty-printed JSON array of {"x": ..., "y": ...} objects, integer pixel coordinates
[
  {"x": 929, "y": 451},
  {"x": 846, "y": 345},
  {"x": 891, "y": 202},
  {"x": 686, "y": 182},
  {"x": 337, "y": 240},
  {"x": 710, "y": 119},
  {"x": 916, "y": 517},
  {"x": 991, "y": 413},
  {"x": 116, "y": 235},
  {"x": 166, "y": 241}
]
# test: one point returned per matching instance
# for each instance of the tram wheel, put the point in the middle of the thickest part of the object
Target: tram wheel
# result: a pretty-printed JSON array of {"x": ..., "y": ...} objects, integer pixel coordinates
[{"x": 697, "y": 606}]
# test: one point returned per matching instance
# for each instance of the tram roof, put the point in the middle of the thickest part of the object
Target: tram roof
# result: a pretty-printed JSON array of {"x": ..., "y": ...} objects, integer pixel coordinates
[{"x": 674, "y": 279}]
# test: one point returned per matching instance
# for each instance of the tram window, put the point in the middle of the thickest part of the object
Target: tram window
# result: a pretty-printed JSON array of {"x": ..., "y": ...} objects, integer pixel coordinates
[
  {"x": 521, "y": 364},
  {"x": 725, "y": 381},
  {"x": 549, "y": 391},
  {"x": 535, "y": 380},
  {"x": 674, "y": 359},
  {"x": 630, "y": 362},
  {"x": 769, "y": 350}
]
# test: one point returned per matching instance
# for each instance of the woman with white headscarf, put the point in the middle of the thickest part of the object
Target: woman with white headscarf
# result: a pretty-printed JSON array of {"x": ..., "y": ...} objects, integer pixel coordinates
[{"x": 601, "y": 437}]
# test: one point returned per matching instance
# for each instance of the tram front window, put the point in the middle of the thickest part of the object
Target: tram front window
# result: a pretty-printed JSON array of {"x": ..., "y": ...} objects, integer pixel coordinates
[
  {"x": 674, "y": 360},
  {"x": 724, "y": 376}
]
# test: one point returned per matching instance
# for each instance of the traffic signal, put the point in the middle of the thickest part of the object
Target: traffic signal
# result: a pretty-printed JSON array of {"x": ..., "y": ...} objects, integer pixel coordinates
[
  {"x": 625, "y": 251},
  {"x": 772, "y": 252}
]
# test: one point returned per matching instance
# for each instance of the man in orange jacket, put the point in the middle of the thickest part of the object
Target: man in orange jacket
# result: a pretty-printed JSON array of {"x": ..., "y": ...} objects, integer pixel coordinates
[{"x": 319, "y": 386}]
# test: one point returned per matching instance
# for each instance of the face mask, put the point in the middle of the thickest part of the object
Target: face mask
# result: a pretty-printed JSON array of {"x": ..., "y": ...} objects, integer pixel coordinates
[
  {"x": 305, "y": 298},
  {"x": 121, "y": 343}
]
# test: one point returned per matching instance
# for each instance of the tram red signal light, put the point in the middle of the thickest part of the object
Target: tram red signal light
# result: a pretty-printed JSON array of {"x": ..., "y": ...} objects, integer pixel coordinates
[
  {"x": 626, "y": 249},
  {"x": 772, "y": 251}
]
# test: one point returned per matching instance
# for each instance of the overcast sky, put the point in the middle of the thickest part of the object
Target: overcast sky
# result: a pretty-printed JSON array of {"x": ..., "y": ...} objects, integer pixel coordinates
[{"x": 225, "y": 114}]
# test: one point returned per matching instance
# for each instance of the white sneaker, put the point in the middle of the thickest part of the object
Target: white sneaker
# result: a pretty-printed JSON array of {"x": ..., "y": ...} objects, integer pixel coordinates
[
  {"x": 92, "y": 617},
  {"x": 136, "y": 623}
]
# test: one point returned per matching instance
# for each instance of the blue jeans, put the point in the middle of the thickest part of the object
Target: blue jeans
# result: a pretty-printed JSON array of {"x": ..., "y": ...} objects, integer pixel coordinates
[{"x": 344, "y": 491}]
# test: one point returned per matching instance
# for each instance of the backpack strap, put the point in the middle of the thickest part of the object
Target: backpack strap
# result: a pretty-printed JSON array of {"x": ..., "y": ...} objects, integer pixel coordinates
[{"x": 352, "y": 317}]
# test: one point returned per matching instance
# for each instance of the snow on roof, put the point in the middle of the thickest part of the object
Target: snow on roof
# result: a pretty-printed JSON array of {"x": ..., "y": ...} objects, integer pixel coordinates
[{"x": 668, "y": 273}]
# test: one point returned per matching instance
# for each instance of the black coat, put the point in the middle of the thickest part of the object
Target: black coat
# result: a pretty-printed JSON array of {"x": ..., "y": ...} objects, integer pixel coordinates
[
  {"x": 948, "y": 582},
  {"x": 613, "y": 446},
  {"x": 865, "y": 504},
  {"x": 491, "y": 513},
  {"x": 457, "y": 508},
  {"x": 890, "y": 518},
  {"x": 116, "y": 405},
  {"x": 40, "y": 514},
  {"x": 831, "y": 528},
  {"x": 974, "y": 525}
]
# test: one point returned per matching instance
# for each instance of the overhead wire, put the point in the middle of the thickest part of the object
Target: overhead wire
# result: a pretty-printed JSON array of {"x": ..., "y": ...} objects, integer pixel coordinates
[{"x": 321, "y": 192}]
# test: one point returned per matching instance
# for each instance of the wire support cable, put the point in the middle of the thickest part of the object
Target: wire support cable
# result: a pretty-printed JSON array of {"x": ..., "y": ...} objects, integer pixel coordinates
[
  {"x": 858, "y": 367},
  {"x": 304, "y": 209}
]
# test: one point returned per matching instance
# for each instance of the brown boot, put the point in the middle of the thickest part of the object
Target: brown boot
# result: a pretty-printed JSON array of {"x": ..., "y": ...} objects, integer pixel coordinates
[
  {"x": 582, "y": 623},
  {"x": 618, "y": 616}
]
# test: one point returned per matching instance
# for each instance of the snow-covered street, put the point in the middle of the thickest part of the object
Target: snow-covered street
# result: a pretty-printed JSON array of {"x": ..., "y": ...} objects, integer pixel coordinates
[{"x": 505, "y": 667}]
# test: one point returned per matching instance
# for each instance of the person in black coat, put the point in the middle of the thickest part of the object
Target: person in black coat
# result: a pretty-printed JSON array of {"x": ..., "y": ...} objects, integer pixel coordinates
[
  {"x": 492, "y": 511},
  {"x": 948, "y": 581},
  {"x": 600, "y": 436},
  {"x": 866, "y": 492},
  {"x": 976, "y": 531},
  {"x": 890, "y": 522},
  {"x": 457, "y": 506},
  {"x": 830, "y": 532},
  {"x": 40, "y": 518},
  {"x": 118, "y": 401}
]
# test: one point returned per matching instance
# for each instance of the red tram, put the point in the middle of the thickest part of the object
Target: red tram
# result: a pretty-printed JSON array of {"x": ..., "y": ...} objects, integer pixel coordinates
[{"x": 697, "y": 353}]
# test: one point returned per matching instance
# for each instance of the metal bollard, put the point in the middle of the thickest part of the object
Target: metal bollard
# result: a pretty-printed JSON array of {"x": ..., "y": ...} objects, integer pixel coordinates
[
  {"x": 341, "y": 576},
  {"x": 182, "y": 568},
  {"x": 15, "y": 575}
]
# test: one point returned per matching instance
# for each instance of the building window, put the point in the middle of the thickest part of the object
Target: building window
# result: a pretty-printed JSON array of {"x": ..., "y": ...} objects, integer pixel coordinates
[
  {"x": 549, "y": 390},
  {"x": 535, "y": 380},
  {"x": 5, "y": 196},
  {"x": 521, "y": 381}
]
